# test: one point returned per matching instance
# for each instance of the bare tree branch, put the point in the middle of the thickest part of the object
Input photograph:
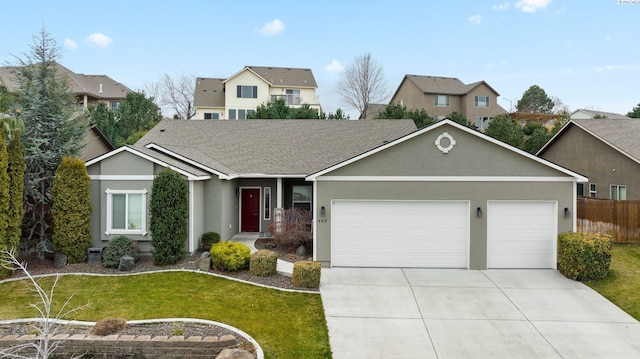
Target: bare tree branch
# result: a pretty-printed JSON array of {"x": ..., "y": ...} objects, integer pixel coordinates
[
  {"x": 174, "y": 93},
  {"x": 362, "y": 84}
]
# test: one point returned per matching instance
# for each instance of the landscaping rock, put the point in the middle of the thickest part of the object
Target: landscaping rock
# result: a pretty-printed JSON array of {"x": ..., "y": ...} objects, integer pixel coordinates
[
  {"x": 205, "y": 255},
  {"x": 204, "y": 263},
  {"x": 301, "y": 251},
  {"x": 59, "y": 260},
  {"x": 126, "y": 263},
  {"x": 234, "y": 354}
]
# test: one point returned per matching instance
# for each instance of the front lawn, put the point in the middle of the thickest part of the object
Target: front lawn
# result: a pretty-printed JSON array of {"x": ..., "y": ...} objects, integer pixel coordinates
[
  {"x": 285, "y": 324},
  {"x": 622, "y": 285}
]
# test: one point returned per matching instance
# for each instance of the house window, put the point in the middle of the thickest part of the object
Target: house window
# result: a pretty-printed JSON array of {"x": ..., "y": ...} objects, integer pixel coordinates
[
  {"x": 482, "y": 101},
  {"x": 618, "y": 192},
  {"x": 115, "y": 105},
  {"x": 242, "y": 114},
  {"x": 302, "y": 197},
  {"x": 251, "y": 113},
  {"x": 442, "y": 100},
  {"x": 293, "y": 97},
  {"x": 580, "y": 189},
  {"x": 247, "y": 91},
  {"x": 126, "y": 212},
  {"x": 593, "y": 190},
  {"x": 267, "y": 203},
  {"x": 232, "y": 114},
  {"x": 211, "y": 116}
]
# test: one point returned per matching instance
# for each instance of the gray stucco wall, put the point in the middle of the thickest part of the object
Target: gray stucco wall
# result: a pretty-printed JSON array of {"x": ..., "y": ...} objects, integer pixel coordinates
[{"x": 604, "y": 166}]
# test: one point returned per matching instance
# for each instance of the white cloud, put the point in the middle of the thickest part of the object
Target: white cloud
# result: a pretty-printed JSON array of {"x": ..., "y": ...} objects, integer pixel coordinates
[
  {"x": 475, "y": 19},
  {"x": 334, "y": 66},
  {"x": 272, "y": 28},
  {"x": 608, "y": 68},
  {"x": 70, "y": 44},
  {"x": 501, "y": 7},
  {"x": 532, "y": 6},
  {"x": 99, "y": 40}
]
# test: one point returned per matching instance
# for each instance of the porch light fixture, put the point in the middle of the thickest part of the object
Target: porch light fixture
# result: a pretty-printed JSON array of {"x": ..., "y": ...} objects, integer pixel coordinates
[
  {"x": 322, "y": 211},
  {"x": 567, "y": 213},
  {"x": 479, "y": 212}
]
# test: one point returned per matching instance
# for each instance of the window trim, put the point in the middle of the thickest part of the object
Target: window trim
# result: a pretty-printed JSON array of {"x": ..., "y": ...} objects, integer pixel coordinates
[
  {"x": 617, "y": 188},
  {"x": 593, "y": 190},
  {"x": 293, "y": 196},
  {"x": 266, "y": 203},
  {"x": 477, "y": 101},
  {"x": 447, "y": 102},
  {"x": 240, "y": 91},
  {"x": 109, "y": 225}
]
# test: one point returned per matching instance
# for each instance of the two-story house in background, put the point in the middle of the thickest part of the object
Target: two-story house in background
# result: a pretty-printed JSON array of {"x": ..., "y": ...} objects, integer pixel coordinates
[
  {"x": 237, "y": 96},
  {"x": 89, "y": 89},
  {"x": 440, "y": 96}
]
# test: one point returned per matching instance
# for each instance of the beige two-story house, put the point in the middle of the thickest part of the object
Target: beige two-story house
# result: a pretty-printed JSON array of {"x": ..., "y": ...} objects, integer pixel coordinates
[
  {"x": 440, "y": 96},
  {"x": 237, "y": 96}
]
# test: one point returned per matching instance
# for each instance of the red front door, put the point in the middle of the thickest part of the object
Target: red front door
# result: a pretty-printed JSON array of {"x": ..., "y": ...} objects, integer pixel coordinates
[{"x": 250, "y": 210}]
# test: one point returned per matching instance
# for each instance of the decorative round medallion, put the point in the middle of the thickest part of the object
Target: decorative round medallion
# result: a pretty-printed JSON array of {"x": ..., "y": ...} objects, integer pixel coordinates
[{"x": 452, "y": 142}]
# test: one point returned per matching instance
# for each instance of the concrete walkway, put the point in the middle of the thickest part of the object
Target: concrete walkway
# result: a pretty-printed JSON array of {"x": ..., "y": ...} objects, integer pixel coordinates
[
  {"x": 249, "y": 239},
  {"x": 432, "y": 313}
]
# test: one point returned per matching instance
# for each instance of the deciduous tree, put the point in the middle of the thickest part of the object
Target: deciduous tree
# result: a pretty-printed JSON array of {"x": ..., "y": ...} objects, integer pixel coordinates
[
  {"x": 535, "y": 100},
  {"x": 175, "y": 93},
  {"x": 362, "y": 83}
]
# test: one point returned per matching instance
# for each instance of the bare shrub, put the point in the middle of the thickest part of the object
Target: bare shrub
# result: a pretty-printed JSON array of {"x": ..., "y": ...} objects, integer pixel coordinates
[
  {"x": 108, "y": 326},
  {"x": 292, "y": 226}
]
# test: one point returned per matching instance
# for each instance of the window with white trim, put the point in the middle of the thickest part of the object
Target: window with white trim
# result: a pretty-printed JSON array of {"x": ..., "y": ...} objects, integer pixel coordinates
[
  {"x": 618, "y": 192},
  {"x": 126, "y": 212},
  {"x": 302, "y": 197},
  {"x": 580, "y": 189},
  {"x": 266, "y": 193},
  {"x": 482, "y": 101},
  {"x": 442, "y": 100},
  {"x": 593, "y": 190}
]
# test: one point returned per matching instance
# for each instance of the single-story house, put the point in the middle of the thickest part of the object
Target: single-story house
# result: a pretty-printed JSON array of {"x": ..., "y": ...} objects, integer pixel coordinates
[
  {"x": 605, "y": 150},
  {"x": 381, "y": 193}
]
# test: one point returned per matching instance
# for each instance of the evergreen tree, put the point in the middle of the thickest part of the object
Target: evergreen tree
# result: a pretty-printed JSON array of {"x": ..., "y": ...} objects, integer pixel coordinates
[
  {"x": 4, "y": 199},
  {"x": 16, "y": 190},
  {"x": 46, "y": 105},
  {"x": 506, "y": 129},
  {"x": 460, "y": 118},
  {"x": 72, "y": 210},
  {"x": 169, "y": 209},
  {"x": 635, "y": 113},
  {"x": 397, "y": 111},
  {"x": 535, "y": 100}
]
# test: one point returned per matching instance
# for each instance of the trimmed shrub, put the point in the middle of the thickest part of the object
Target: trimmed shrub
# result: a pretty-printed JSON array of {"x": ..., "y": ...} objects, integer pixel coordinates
[
  {"x": 584, "y": 256},
  {"x": 108, "y": 326},
  {"x": 169, "y": 208},
  {"x": 263, "y": 263},
  {"x": 209, "y": 238},
  {"x": 306, "y": 274},
  {"x": 116, "y": 249},
  {"x": 230, "y": 256},
  {"x": 71, "y": 210},
  {"x": 4, "y": 199}
]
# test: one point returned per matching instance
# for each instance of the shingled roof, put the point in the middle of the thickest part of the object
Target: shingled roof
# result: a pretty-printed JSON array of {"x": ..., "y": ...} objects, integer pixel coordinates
[
  {"x": 444, "y": 85},
  {"x": 209, "y": 92},
  {"x": 270, "y": 147},
  {"x": 98, "y": 86},
  {"x": 285, "y": 76}
]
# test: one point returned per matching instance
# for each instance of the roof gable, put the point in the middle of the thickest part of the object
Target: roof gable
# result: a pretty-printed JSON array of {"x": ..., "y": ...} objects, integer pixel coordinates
[{"x": 474, "y": 156}]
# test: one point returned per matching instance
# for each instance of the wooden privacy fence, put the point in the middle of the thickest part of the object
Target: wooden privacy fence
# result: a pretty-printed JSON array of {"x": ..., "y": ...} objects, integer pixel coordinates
[{"x": 620, "y": 219}]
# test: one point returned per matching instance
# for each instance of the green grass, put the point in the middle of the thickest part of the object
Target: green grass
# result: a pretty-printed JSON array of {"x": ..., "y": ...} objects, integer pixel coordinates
[
  {"x": 622, "y": 285},
  {"x": 285, "y": 324}
]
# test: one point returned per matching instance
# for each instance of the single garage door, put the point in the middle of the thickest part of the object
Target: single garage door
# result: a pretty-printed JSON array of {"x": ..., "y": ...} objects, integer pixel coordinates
[
  {"x": 400, "y": 234},
  {"x": 521, "y": 234}
]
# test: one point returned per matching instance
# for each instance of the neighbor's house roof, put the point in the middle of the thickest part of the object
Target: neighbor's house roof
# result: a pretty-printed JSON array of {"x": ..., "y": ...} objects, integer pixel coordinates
[
  {"x": 209, "y": 92},
  {"x": 621, "y": 134},
  {"x": 444, "y": 85},
  {"x": 98, "y": 86},
  {"x": 268, "y": 148},
  {"x": 282, "y": 76},
  {"x": 582, "y": 113}
]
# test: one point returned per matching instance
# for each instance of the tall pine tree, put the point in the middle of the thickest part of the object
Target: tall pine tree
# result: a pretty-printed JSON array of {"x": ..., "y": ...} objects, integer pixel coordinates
[
  {"x": 4, "y": 199},
  {"x": 46, "y": 105},
  {"x": 15, "y": 170}
]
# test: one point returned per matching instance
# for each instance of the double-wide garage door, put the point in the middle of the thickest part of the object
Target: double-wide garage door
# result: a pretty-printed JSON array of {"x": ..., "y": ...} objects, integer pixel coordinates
[
  {"x": 400, "y": 234},
  {"x": 435, "y": 234}
]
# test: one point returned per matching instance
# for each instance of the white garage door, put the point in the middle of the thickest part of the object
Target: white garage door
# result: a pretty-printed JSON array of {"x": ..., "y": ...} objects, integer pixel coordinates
[
  {"x": 521, "y": 234},
  {"x": 400, "y": 234}
]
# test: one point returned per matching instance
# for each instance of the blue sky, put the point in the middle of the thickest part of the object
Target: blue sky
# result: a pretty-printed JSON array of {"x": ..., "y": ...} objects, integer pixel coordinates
[{"x": 584, "y": 53}]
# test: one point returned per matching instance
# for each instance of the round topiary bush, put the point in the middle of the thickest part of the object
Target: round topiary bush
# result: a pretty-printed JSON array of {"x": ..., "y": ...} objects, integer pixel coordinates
[
  {"x": 230, "y": 256},
  {"x": 264, "y": 263},
  {"x": 208, "y": 239},
  {"x": 116, "y": 249}
]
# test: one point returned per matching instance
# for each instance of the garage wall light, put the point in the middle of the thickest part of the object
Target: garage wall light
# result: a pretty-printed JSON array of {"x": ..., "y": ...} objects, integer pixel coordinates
[
  {"x": 567, "y": 212},
  {"x": 322, "y": 211},
  {"x": 479, "y": 212}
]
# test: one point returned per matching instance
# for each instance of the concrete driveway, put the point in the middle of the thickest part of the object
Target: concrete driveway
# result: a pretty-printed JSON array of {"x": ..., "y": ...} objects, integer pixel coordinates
[{"x": 442, "y": 313}]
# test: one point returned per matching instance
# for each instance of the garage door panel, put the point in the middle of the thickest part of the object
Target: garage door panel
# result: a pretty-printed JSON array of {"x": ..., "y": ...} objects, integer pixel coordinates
[
  {"x": 521, "y": 234},
  {"x": 400, "y": 234}
]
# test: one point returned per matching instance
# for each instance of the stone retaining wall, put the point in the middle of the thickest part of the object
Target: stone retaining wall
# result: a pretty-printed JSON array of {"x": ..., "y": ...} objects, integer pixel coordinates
[{"x": 129, "y": 346}]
